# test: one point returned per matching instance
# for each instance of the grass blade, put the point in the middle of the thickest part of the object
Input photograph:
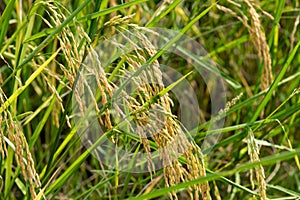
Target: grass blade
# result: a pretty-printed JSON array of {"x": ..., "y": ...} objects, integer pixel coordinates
[
  {"x": 27, "y": 83},
  {"x": 4, "y": 20}
]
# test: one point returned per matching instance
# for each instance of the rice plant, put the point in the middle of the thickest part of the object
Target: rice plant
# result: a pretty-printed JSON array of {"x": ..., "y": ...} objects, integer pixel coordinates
[{"x": 149, "y": 99}]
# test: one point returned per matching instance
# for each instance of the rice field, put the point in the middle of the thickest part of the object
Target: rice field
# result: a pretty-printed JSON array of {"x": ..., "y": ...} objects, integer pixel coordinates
[{"x": 145, "y": 99}]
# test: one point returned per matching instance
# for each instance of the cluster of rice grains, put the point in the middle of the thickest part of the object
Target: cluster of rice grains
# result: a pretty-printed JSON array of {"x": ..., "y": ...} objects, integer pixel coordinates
[
  {"x": 253, "y": 151},
  {"x": 150, "y": 112},
  {"x": 257, "y": 34},
  {"x": 70, "y": 46},
  {"x": 17, "y": 141}
]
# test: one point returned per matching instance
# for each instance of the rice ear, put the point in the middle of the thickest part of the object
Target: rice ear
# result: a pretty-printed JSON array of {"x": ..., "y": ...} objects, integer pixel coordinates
[{"x": 170, "y": 138}]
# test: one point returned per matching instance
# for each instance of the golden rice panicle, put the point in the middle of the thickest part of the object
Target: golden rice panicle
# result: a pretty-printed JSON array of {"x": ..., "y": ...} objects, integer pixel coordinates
[
  {"x": 216, "y": 193},
  {"x": 21, "y": 149},
  {"x": 260, "y": 42},
  {"x": 196, "y": 166},
  {"x": 69, "y": 42},
  {"x": 253, "y": 151},
  {"x": 172, "y": 140}
]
